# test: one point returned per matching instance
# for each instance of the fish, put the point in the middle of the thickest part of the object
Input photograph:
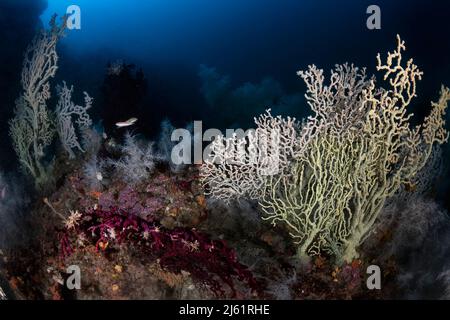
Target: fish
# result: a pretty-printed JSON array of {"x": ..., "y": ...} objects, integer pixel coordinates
[
  {"x": 127, "y": 123},
  {"x": 3, "y": 193}
]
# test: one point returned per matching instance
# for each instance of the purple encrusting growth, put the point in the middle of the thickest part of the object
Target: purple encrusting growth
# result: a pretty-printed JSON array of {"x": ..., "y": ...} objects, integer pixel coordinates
[
  {"x": 128, "y": 199},
  {"x": 210, "y": 262}
]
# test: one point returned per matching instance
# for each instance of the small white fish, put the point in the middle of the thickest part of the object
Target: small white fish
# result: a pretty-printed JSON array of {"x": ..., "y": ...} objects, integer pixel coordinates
[
  {"x": 3, "y": 193},
  {"x": 127, "y": 123},
  {"x": 105, "y": 136},
  {"x": 99, "y": 176}
]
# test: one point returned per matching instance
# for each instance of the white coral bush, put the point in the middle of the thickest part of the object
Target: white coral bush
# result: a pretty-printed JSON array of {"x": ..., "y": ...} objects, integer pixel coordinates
[
  {"x": 355, "y": 152},
  {"x": 137, "y": 162},
  {"x": 33, "y": 127},
  {"x": 68, "y": 114},
  {"x": 238, "y": 167}
]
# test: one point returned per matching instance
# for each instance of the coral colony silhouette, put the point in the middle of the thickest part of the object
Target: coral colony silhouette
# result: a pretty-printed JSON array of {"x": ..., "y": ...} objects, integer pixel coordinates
[{"x": 292, "y": 209}]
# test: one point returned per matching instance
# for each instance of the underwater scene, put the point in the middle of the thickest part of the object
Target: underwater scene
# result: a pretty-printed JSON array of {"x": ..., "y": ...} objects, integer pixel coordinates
[{"x": 224, "y": 150}]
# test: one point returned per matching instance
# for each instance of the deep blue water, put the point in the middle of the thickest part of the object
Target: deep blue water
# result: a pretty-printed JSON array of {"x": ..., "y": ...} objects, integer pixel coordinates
[
  {"x": 254, "y": 38},
  {"x": 248, "y": 40}
]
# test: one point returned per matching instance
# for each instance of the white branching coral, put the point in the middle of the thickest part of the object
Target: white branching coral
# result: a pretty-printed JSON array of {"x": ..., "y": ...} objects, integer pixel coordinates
[
  {"x": 34, "y": 125},
  {"x": 392, "y": 152},
  {"x": 336, "y": 106},
  {"x": 137, "y": 161},
  {"x": 318, "y": 189},
  {"x": 239, "y": 166},
  {"x": 68, "y": 114},
  {"x": 358, "y": 167},
  {"x": 355, "y": 152},
  {"x": 32, "y": 129}
]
